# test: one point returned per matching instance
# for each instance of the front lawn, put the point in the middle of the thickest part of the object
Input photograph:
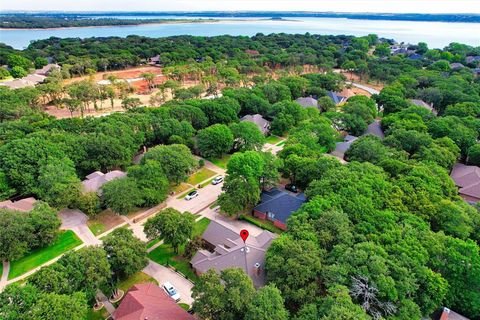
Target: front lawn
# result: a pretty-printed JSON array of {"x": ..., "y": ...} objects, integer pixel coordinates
[
  {"x": 96, "y": 227},
  {"x": 66, "y": 241},
  {"x": 273, "y": 139},
  {"x": 183, "y": 195},
  {"x": 165, "y": 255},
  {"x": 199, "y": 176},
  {"x": 221, "y": 162},
  {"x": 135, "y": 278}
]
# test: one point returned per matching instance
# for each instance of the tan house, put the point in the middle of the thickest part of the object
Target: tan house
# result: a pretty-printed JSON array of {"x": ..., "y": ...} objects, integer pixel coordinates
[
  {"x": 94, "y": 181},
  {"x": 23, "y": 205}
]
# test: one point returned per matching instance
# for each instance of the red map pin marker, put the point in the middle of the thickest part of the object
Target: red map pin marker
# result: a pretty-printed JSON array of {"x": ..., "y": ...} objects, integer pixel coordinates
[{"x": 244, "y": 235}]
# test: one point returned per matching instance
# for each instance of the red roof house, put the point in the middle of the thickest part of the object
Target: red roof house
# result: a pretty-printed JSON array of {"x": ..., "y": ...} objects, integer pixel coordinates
[{"x": 149, "y": 302}]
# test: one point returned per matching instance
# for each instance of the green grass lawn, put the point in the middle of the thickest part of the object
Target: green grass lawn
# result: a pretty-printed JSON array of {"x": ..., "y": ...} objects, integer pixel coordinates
[
  {"x": 96, "y": 227},
  {"x": 264, "y": 224},
  {"x": 199, "y": 176},
  {"x": 273, "y": 139},
  {"x": 152, "y": 243},
  {"x": 281, "y": 143},
  {"x": 135, "y": 278},
  {"x": 66, "y": 240},
  {"x": 221, "y": 162},
  {"x": 184, "y": 306},
  {"x": 165, "y": 255}
]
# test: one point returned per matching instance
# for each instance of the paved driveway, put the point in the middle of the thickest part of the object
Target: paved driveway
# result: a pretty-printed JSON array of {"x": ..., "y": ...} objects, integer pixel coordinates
[
  {"x": 76, "y": 221},
  {"x": 163, "y": 274}
]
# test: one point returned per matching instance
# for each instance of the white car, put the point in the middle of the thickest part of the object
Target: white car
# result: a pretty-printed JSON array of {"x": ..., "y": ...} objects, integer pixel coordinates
[
  {"x": 217, "y": 180},
  {"x": 191, "y": 195},
  {"x": 171, "y": 291}
]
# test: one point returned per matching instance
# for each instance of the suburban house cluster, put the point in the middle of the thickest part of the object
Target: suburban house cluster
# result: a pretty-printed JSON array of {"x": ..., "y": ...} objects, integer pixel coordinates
[{"x": 38, "y": 76}]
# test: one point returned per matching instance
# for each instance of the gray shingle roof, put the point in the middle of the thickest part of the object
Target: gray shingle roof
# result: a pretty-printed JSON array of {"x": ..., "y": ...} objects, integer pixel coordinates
[
  {"x": 307, "y": 102},
  {"x": 94, "y": 181},
  {"x": 231, "y": 252},
  {"x": 467, "y": 178},
  {"x": 336, "y": 97},
  {"x": 262, "y": 124}
]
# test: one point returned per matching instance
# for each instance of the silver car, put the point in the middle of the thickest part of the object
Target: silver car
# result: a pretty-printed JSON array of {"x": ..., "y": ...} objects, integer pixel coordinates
[
  {"x": 171, "y": 291},
  {"x": 191, "y": 195},
  {"x": 217, "y": 180}
]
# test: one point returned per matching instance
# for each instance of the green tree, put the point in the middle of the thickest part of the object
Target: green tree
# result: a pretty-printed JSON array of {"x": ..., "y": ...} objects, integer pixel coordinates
[
  {"x": 4, "y": 73},
  {"x": 294, "y": 266},
  {"x": 40, "y": 62},
  {"x": 239, "y": 194},
  {"x": 126, "y": 253},
  {"x": 18, "y": 72},
  {"x": 151, "y": 181},
  {"x": 247, "y": 136},
  {"x": 131, "y": 103},
  {"x": 122, "y": 195},
  {"x": 58, "y": 307},
  {"x": 473, "y": 156},
  {"x": 174, "y": 227},
  {"x": 215, "y": 141},
  {"x": 326, "y": 104},
  {"x": 15, "y": 60},
  {"x": 17, "y": 301},
  {"x": 223, "y": 296},
  {"x": 58, "y": 183},
  {"x": 176, "y": 161},
  {"x": 88, "y": 203},
  {"x": 266, "y": 304}
]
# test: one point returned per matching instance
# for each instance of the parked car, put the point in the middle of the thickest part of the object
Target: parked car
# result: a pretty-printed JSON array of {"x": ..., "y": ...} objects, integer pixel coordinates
[
  {"x": 171, "y": 291},
  {"x": 191, "y": 195},
  {"x": 291, "y": 187},
  {"x": 217, "y": 180}
]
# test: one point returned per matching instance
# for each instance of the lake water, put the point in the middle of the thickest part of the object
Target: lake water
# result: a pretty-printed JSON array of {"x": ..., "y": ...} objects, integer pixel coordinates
[{"x": 436, "y": 34}]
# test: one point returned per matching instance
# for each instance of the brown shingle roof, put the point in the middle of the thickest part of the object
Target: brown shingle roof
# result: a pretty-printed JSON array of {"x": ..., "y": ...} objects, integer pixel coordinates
[
  {"x": 148, "y": 301},
  {"x": 467, "y": 178}
]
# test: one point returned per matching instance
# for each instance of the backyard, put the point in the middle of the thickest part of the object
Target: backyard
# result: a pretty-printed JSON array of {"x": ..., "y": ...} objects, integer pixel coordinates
[
  {"x": 165, "y": 255},
  {"x": 66, "y": 241}
]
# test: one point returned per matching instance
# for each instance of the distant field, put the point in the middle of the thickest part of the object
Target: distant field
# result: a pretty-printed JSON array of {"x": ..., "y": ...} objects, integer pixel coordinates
[{"x": 67, "y": 240}]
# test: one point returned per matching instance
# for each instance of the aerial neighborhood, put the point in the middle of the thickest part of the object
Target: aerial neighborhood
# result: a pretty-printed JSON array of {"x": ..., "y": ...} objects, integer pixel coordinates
[{"x": 230, "y": 177}]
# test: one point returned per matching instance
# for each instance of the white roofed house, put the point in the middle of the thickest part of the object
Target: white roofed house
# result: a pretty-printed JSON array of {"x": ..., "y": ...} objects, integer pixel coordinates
[{"x": 94, "y": 181}]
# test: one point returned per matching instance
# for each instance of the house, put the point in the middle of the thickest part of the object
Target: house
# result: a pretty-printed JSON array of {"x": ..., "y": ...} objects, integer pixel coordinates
[
  {"x": 95, "y": 181},
  {"x": 229, "y": 251},
  {"x": 467, "y": 179},
  {"x": 456, "y": 66},
  {"x": 154, "y": 60},
  {"x": 476, "y": 71},
  {"x": 423, "y": 104},
  {"x": 447, "y": 314},
  {"x": 375, "y": 129},
  {"x": 262, "y": 124},
  {"x": 342, "y": 147},
  {"x": 277, "y": 206},
  {"x": 336, "y": 97},
  {"x": 148, "y": 301},
  {"x": 307, "y": 102},
  {"x": 23, "y": 205},
  {"x": 46, "y": 70},
  {"x": 471, "y": 59}
]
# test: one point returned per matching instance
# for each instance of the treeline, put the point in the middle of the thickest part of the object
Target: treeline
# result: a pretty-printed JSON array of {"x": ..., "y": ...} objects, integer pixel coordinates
[{"x": 29, "y": 22}]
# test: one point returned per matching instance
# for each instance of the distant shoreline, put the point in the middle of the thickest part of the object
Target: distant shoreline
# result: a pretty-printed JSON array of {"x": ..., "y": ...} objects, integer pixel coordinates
[{"x": 143, "y": 22}]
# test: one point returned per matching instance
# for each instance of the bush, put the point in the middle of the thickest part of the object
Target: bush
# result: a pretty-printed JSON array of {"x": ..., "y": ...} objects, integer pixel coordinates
[{"x": 89, "y": 203}]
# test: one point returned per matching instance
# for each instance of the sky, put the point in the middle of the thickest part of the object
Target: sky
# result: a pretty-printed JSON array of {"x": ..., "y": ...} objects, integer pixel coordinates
[{"x": 386, "y": 6}]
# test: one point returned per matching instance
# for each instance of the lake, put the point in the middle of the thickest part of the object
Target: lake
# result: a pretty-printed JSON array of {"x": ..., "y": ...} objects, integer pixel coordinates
[{"x": 436, "y": 34}]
